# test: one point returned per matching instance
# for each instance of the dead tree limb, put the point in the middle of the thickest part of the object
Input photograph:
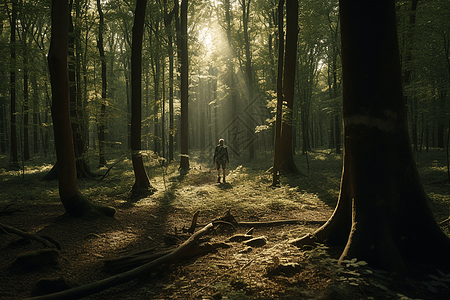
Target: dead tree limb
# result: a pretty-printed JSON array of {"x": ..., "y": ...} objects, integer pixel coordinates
[
  {"x": 193, "y": 223},
  {"x": 280, "y": 222},
  {"x": 8, "y": 210},
  {"x": 106, "y": 283},
  {"x": 446, "y": 220},
  {"x": 28, "y": 235},
  {"x": 132, "y": 261}
]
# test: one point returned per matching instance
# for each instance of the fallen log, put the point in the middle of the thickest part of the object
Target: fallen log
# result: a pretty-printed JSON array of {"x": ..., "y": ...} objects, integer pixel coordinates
[
  {"x": 95, "y": 287},
  {"x": 30, "y": 236}
]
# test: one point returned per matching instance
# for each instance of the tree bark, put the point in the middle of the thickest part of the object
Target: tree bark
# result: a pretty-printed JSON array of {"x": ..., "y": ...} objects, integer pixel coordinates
[
  {"x": 280, "y": 96},
  {"x": 141, "y": 179},
  {"x": 383, "y": 214},
  {"x": 26, "y": 97},
  {"x": 169, "y": 32},
  {"x": 184, "y": 160},
  {"x": 12, "y": 82},
  {"x": 101, "y": 118},
  {"x": 74, "y": 202},
  {"x": 287, "y": 163}
]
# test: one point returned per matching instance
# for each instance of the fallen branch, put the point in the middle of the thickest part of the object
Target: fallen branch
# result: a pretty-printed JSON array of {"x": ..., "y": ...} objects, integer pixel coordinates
[
  {"x": 28, "y": 235},
  {"x": 446, "y": 220},
  {"x": 106, "y": 283},
  {"x": 280, "y": 222},
  {"x": 7, "y": 210},
  {"x": 193, "y": 223},
  {"x": 107, "y": 171},
  {"x": 231, "y": 220},
  {"x": 131, "y": 261}
]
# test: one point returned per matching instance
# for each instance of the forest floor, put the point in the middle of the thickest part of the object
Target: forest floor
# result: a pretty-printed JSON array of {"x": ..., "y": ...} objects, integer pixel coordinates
[{"x": 276, "y": 270}]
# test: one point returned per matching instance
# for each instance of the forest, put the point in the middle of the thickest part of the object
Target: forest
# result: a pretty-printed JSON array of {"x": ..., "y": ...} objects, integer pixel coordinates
[{"x": 334, "y": 114}]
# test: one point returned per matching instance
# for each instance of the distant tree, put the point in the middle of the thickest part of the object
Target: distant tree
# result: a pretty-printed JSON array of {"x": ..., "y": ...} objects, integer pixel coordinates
[
  {"x": 74, "y": 202},
  {"x": 283, "y": 157},
  {"x": 245, "y": 6},
  {"x": 169, "y": 32},
  {"x": 280, "y": 97},
  {"x": 287, "y": 163},
  {"x": 26, "y": 95},
  {"x": 12, "y": 82},
  {"x": 184, "y": 87},
  {"x": 101, "y": 117},
  {"x": 383, "y": 215},
  {"x": 141, "y": 179},
  {"x": 76, "y": 105}
]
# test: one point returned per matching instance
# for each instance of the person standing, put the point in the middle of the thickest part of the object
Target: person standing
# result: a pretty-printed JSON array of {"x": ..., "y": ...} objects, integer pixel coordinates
[{"x": 221, "y": 159}]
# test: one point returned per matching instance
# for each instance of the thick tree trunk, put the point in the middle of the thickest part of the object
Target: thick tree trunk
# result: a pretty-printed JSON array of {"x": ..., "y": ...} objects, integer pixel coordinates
[
  {"x": 141, "y": 179},
  {"x": 74, "y": 202},
  {"x": 383, "y": 214}
]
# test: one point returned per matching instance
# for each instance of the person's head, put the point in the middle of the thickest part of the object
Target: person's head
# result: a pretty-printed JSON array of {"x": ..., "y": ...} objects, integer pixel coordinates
[{"x": 221, "y": 141}]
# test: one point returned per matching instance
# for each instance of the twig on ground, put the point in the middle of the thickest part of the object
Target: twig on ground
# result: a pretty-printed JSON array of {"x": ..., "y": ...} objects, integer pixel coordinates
[{"x": 28, "y": 235}]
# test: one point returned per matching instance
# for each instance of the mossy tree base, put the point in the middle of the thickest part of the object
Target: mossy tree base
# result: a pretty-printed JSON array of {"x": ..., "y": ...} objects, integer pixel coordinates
[{"x": 79, "y": 206}]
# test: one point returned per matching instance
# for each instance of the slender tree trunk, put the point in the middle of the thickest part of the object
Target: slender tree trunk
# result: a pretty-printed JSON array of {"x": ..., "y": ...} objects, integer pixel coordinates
[
  {"x": 3, "y": 78},
  {"x": 248, "y": 64},
  {"x": 74, "y": 202},
  {"x": 12, "y": 82},
  {"x": 184, "y": 161},
  {"x": 171, "y": 113},
  {"x": 169, "y": 32},
  {"x": 287, "y": 163},
  {"x": 36, "y": 112},
  {"x": 141, "y": 179},
  {"x": 280, "y": 97},
  {"x": 26, "y": 96},
  {"x": 101, "y": 119}
]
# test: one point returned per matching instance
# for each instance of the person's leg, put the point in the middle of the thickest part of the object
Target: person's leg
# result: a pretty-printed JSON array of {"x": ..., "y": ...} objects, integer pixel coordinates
[
  {"x": 218, "y": 171},
  {"x": 224, "y": 173}
]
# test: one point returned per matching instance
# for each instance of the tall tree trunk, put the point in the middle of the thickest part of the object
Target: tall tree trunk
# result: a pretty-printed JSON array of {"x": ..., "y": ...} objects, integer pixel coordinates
[
  {"x": 3, "y": 127},
  {"x": 101, "y": 119},
  {"x": 232, "y": 94},
  {"x": 26, "y": 96},
  {"x": 287, "y": 163},
  {"x": 184, "y": 161},
  {"x": 141, "y": 179},
  {"x": 74, "y": 202},
  {"x": 3, "y": 134},
  {"x": 76, "y": 107},
  {"x": 12, "y": 82},
  {"x": 279, "y": 111},
  {"x": 36, "y": 112},
  {"x": 383, "y": 214},
  {"x": 248, "y": 65},
  {"x": 169, "y": 32}
]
